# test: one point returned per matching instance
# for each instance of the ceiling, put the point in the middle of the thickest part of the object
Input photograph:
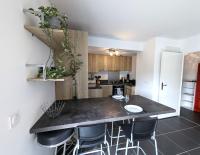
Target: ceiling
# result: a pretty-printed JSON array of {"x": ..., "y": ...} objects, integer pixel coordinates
[
  {"x": 98, "y": 50},
  {"x": 133, "y": 20}
]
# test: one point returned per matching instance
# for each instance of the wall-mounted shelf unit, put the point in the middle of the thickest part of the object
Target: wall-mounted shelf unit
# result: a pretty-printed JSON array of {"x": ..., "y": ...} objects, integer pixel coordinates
[
  {"x": 43, "y": 80},
  {"x": 33, "y": 74},
  {"x": 57, "y": 37},
  {"x": 188, "y": 94},
  {"x": 79, "y": 40}
]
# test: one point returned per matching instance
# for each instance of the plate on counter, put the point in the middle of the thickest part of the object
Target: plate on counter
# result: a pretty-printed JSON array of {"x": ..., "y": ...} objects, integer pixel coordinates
[
  {"x": 133, "y": 108},
  {"x": 118, "y": 97}
]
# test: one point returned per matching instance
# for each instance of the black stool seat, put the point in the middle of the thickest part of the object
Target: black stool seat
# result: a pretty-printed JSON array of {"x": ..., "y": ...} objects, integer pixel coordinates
[
  {"x": 92, "y": 143},
  {"x": 54, "y": 137},
  {"x": 141, "y": 129}
]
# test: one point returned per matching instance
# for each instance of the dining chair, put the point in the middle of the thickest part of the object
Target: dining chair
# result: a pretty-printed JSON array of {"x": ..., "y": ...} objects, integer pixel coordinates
[
  {"x": 54, "y": 139},
  {"x": 91, "y": 136},
  {"x": 141, "y": 129}
]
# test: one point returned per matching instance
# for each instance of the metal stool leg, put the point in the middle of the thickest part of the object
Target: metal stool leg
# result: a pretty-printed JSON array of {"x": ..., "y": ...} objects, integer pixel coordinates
[
  {"x": 75, "y": 150},
  {"x": 117, "y": 145},
  {"x": 126, "y": 152},
  {"x": 64, "y": 149},
  {"x": 111, "y": 139},
  {"x": 101, "y": 150},
  {"x": 138, "y": 148},
  {"x": 55, "y": 153},
  {"x": 156, "y": 147},
  {"x": 108, "y": 148}
]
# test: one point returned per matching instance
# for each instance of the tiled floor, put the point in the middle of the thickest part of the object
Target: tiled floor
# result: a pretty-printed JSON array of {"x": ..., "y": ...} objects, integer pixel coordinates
[{"x": 175, "y": 136}]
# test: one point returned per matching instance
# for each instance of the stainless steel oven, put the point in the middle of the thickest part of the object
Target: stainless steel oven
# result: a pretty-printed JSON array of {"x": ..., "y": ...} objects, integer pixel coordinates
[{"x": 117, "y": 88}]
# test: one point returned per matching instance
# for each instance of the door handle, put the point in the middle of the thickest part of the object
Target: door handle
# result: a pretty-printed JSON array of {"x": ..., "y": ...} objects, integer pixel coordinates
[{"x": 163, "y": 85}]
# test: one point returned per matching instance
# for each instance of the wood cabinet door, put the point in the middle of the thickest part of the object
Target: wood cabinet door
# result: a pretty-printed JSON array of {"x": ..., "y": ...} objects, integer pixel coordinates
[
  {"x": 110, "y": 64},
  {"x": 63, "y": 89},
  {"x": 100, "y": 62},
  {"x": 129, "y": 63},
  {"x": 95, "y": 63},
  {"x": 90, "y": 68},
  {"x": 117, "y": 63},
  {"x": 105, "y": 60},
  {"x": 122, "y": 63},
  {"x": 107, "y": 90}
]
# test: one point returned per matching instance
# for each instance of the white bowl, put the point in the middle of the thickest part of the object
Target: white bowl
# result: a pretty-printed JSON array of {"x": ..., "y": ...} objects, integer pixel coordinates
[{"x": 133, "y": 108}]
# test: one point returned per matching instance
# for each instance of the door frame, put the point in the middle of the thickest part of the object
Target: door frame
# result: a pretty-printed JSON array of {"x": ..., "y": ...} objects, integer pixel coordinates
[{"x": 177, "y": 113}]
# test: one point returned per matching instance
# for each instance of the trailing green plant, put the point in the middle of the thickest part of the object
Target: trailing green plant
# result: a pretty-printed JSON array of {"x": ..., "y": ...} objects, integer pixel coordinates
[
  {"x": 59, "y": 70},
  {"x": 48, "y": 13}
]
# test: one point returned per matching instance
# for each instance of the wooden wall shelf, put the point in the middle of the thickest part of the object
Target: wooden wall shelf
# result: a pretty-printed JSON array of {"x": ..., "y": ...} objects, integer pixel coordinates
[
  {"x": 45, "y": 80},
  {"x": 79, "y": 40}
]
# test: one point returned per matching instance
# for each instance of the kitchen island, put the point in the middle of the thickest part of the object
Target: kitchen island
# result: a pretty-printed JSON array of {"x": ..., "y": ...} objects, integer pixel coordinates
[{"x": 97, "y": 110}]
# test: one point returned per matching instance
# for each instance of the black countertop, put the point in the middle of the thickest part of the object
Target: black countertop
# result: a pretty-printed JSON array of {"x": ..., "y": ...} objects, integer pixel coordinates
[{"x": 97, "y": 110}]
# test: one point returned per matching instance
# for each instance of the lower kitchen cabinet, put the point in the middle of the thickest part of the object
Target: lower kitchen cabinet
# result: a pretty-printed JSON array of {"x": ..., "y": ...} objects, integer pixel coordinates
[
  {"x": 107, "y": 90},
  {"x": 95, "y": 93},
  {"x": 129, "y": 90}
]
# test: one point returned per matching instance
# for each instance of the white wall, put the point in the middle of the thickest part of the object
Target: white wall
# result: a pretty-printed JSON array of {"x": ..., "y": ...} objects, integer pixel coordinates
[
  {"x": 191, "y": 44},
  {"x": 148, "y": 66},
  {"x": 114, "y": 43},
  {"x": 145, "y": 70},
  {"x": 162, "y": 44},
  {"x": 18, "y": 47}
]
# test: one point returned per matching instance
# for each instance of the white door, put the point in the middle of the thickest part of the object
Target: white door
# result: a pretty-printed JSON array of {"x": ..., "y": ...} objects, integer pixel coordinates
[{"x": 171, "y": 80}]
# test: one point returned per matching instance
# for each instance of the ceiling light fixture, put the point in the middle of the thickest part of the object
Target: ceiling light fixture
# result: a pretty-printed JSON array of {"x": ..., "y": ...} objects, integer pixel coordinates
[{"x": 113, "y": 52}]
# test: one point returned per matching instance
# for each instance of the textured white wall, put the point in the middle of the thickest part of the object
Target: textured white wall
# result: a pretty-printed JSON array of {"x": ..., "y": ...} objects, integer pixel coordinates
[
  {"x": 145, "y": 70},
  {"x": 18, "y": 47},
  {"x": 148, "y": 66}
]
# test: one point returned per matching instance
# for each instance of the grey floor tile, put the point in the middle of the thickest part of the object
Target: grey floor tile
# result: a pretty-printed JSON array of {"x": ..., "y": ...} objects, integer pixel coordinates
[
  {"x": 177, "y": 123},
  {"x": 167, "y": 147},
  {"x": 163, "y": 128},
  {"x": 193, "y": 116},
  {"x": 149, "y": 148},
  {"x": 194, "y": 152},
  {"x": 193, "y": 133},
  {"x": 183, "y": 141}
]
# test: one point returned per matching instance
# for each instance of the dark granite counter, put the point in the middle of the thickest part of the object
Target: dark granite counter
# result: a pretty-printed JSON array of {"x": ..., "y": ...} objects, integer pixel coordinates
[
  {"x": 94, "y": 87},
  {"x": 97, "y": 110}
]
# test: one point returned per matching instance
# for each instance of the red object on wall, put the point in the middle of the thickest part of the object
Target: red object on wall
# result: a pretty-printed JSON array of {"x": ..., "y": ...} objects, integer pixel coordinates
[{"x": 197, "y": 93}]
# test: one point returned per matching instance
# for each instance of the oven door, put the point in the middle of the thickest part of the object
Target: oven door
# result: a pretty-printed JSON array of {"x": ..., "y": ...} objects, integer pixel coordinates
[{"x": 118, "y": 90}]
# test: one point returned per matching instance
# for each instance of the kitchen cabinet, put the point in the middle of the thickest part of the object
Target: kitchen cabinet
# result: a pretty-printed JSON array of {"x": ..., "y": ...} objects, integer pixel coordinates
[
  {"x": 95, "y": 93},
  {"x": 129, "y": 90},
  {"x": 107, "y": 90},
  {"x": 99, "y": 63}
]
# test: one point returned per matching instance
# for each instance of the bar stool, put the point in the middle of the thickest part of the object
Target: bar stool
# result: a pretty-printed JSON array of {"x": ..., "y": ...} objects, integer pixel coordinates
[
  {"x": 91, "y": 136},
  {"x": 53, "y": 139},
  {"x": 113, "y": 125},
  {"x": 141, "y": 129}
]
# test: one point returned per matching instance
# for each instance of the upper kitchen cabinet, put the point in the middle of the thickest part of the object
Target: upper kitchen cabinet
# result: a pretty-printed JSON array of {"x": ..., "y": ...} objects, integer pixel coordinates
[{"x": 97, "y": 63}]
